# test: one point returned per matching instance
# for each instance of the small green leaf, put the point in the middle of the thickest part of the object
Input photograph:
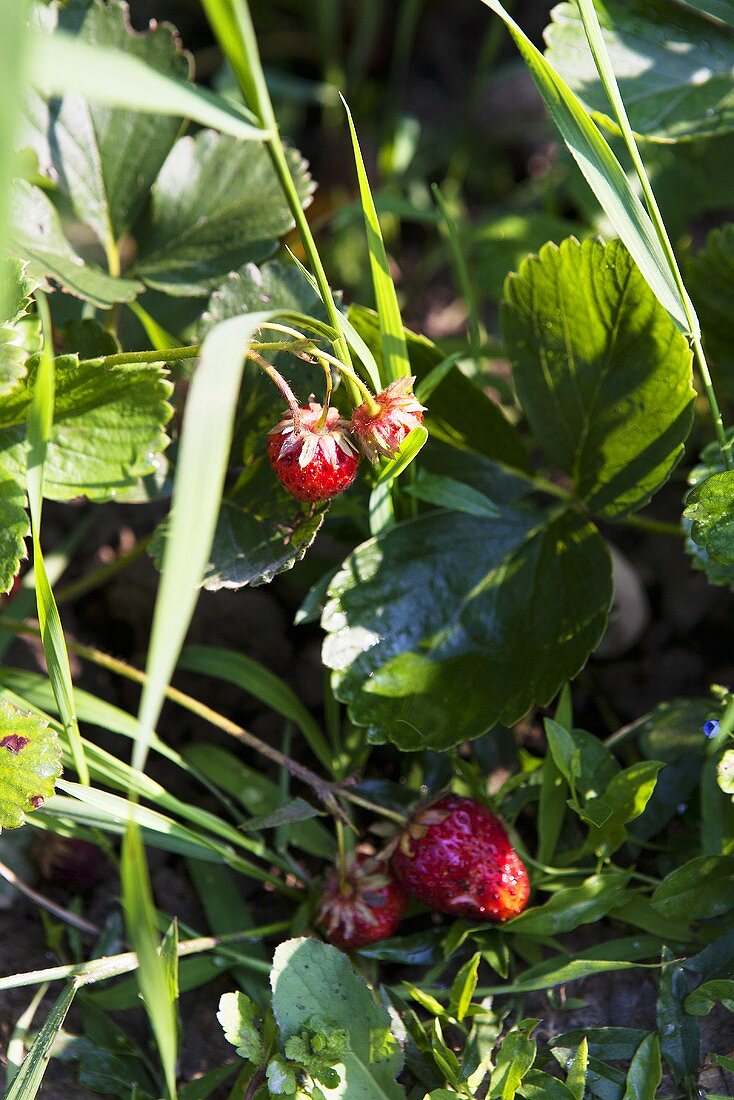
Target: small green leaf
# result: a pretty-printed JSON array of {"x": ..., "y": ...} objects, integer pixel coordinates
[
  {"x": 412, "y": 673},
  {"x": 515, "y": 1058},
  {"x": 290, "y": 813},
  {"x": 687, "y": 62},
  {"x": 576, "y": 1076},
  {"x": 447, "y": 492},
  {"x": 30, "y": 762},
  {"x": 645, "y": 1072},
  {"x": 312, "y": 979},
  {"x": 215, "y": 206},
  {"x": 464, "y": 985},
  {"x": 573, "y": 906},
  {"x": 710, "y": 508},
  {"x": 708, "y": 994},
  {"x": 700, "y": 889},
  {"x": 16, "y": 296},
  {"x": 240, "y": 1020},
  {"x": 602, "y": 373},
  {"x": 680, "y": 1034}
]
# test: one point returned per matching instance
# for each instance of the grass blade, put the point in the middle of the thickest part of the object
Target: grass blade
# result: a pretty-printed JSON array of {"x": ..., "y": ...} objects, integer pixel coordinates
[
  {"x": 603, "y": 173},
  {"x": 28, "y": 1080},
  {"x": 255, "y": 679},
  {"x": 202, "y": 462},
  {"x": 13, "y": 49},
  {"x": 40, "y": 420},
  {"x": 153, "y": 973},
  {"x": 395, "y": 359},
  {"x": 62, "y": 63}
]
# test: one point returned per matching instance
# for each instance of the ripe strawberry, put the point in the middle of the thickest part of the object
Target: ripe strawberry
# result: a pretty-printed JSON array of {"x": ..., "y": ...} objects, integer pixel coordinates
[
  {"x": 364, "y": 908},
  {"x": 382, "y": 432},
  {"x": 313, "y": 462},
  {"x": 455, "y": 856}
]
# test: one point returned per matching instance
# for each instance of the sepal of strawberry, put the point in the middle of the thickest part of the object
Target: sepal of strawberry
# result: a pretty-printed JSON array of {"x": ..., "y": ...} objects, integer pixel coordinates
[
  {"x": 381, "y": 429},
  {"x": 361, "y": 906}
]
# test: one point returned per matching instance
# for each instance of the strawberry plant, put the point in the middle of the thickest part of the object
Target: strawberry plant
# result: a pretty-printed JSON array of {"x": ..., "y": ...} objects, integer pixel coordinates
[{"x": 466, "y": 829}]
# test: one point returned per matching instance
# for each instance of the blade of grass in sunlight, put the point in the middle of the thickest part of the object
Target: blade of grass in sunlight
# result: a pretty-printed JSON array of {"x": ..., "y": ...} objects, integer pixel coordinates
[
  {"x": 153, "y": 972},
  {"x": 61, "y": 63},
  {"x": 29, "y": 1078},
  {"x": 40, "y": 420},
  {"x": 13, "y": 54},
  {"x": 603, "y": 173},
  {"x": 392, "y": 338}
]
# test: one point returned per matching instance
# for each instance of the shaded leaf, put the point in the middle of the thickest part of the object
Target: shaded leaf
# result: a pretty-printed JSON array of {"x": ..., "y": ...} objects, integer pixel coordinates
[
  {"x": 645, "y": 1072},
  {"x": 104, "y": 158},
  {"x": 603, "y": 374},
  {"x": 216, "y": 205},
  {"x": 673, "y": 69},
  {"x": 36, "y": 237},
  {"x": 30, "y": 762},
  {"x": 573, "y": 906},
  {"x": 701, "y": 889},
  {"x": 430, "y": 636},
  {"x": 680, "y": 1034}
]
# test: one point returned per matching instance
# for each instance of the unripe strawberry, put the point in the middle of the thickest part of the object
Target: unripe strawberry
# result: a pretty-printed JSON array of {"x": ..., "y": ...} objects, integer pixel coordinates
[
  {"x": 364, "y": 907},
  {"x": 313, "y": 462},
  {"x": 455, "y": 856},
  {"x": 381, "y": 431}
]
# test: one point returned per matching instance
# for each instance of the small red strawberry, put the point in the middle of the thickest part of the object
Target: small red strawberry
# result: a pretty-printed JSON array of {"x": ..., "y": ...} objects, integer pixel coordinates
[
  {"x": 381, "y": 431},
  {"x": 313, "y": 461},
  {"x": 455, "y": 856},
  {"x": 366, "y": 906}
]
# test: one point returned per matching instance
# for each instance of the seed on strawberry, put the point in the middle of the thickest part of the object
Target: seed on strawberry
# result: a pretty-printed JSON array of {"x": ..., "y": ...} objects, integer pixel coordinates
[
  {"x": 313, "y": 461},
  {"x": 455, "y": 856},
  {"x": 363, "y": 907},
  {"x": 398, "y": 411}
]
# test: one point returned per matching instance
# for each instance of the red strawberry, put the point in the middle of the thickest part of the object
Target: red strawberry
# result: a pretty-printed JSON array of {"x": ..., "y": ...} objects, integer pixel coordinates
[
  {"x": 381, "y": 432},
  {"x": 313, "y": 461},
  {"x": 455, "y": 856},
  {"x": 364, "y": 908}
]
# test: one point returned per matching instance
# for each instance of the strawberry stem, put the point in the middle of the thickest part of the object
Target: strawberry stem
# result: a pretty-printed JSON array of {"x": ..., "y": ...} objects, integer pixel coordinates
[{"x": 279, "y": 381}]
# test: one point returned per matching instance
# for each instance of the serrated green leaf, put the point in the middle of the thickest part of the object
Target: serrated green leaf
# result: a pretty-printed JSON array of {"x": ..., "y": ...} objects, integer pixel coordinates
[
  {"x": 105, "y": 159},
  {"x": 36, "y": 237},
  {"x": 30, "y": 762},
  {"x": 216, "y": 205},
  {"x": 16, "y": 296},
  {"x": 710, "y": 510},
  {"x": 702, "y": 888},
  {"x": 239, "y": 1017},
  {"x": 311, "y": 979},
  {"x": 673, "y": 68},
  {"x": 415, "y": 672},
  {"x": 604, "y": 376},
  {"x": 108, "y": 428},
  {"x": 14, "y": 527}
]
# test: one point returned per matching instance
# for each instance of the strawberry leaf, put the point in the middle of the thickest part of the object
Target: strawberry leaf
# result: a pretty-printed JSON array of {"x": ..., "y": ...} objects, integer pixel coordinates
[{"x": 30, "y": 762}]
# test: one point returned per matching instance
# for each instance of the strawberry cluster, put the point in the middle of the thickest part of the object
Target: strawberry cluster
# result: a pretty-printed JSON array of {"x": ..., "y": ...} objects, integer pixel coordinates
[
  {"x": 453, "y": 855},
  {"x": 315, "y": 452}
]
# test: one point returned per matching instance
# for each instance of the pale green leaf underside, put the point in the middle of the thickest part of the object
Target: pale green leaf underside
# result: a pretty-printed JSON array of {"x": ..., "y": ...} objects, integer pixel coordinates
[
  {"x": 30, "y": 762},
  {"x": 604, "y": 376},
  {"x": 673, "y": 68}
]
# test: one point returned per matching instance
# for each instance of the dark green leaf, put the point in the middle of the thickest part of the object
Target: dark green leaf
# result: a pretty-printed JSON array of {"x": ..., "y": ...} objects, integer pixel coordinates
[
  {"x": 602, "y": 372},
  {"x": 289, "y": 813},
  {"x": 627, "y": 796},
  {"x": 419, "y": 673},
  {"x": 537, "y": 1085},
  {"x": 680, "y": 1034},
  {"x": 105, "y": 159},
  {"x": 37, "y": 238},
  {"x": 712, "y": 286},
  {"x": 612, "y": 1044},
  {"x": 708, "y": 994},
  {"x": 710, "y": 508},
  {"x": 446, "y": 492},
  {"x": 497, "y": 246},
  {"x": 30, "y": 762},
  {"x": 702, "y": 888},
  {"x": 673, "y": 68},
  {"x": 216, "y": 205},
  {"x": 459, "y": 412},
  {"x": 314, "y": 980}
]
